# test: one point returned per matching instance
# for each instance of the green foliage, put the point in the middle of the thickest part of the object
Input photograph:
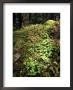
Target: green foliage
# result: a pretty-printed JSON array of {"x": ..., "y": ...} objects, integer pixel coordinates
[
  {"x": 50, "y": 23},
  {"x": 37, "y": 50}
]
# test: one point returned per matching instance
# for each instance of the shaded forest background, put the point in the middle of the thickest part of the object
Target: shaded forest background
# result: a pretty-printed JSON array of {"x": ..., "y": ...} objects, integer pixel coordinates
[
  {"x": 36, "y": 44},
  {"x": 23, "y": 19}
]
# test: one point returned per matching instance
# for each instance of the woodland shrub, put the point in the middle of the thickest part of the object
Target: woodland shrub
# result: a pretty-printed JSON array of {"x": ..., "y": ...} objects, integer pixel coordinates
[{"x": 37, "y": 50}]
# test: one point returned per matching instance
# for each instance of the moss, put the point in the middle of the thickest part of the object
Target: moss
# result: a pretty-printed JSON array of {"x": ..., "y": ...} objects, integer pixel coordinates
[{"x": 38, "y": 50}]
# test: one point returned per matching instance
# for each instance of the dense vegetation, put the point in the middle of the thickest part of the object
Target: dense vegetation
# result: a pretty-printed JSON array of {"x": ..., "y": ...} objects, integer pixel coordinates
[{"x": 36, "y": 50}]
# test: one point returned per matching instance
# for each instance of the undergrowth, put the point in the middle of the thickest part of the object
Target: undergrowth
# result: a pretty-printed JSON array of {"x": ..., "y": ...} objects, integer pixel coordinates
[{"x": 36, "y": 50}]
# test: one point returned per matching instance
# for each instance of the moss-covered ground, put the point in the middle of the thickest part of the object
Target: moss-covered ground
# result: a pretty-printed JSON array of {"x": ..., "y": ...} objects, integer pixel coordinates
[{"x": 36, "y": 50}]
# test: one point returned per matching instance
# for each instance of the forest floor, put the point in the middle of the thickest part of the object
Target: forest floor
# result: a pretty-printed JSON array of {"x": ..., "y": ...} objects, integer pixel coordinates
[{"x": 36, "y": 50}]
